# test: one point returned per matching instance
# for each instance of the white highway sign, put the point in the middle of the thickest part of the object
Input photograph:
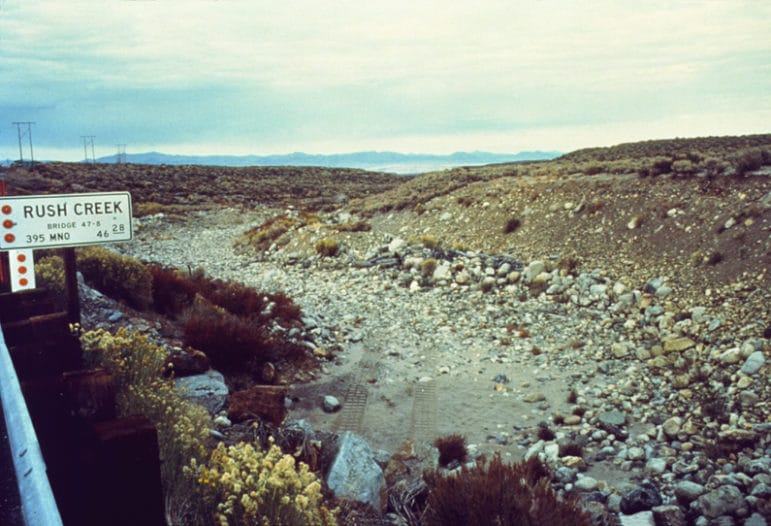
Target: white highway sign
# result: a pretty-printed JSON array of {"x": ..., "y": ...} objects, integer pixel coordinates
[{"x": 64, "y": 220}]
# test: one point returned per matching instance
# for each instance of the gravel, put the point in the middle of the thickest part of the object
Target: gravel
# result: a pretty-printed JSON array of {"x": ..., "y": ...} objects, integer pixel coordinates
[{"x": 672, "y": 405}]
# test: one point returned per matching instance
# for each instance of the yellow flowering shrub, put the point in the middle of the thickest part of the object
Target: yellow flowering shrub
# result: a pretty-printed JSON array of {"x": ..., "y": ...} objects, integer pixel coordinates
[
  {"x": 49, "y": 274},
  {"x": 137, "y": 363},
  {"x": 249, "y": 486}
]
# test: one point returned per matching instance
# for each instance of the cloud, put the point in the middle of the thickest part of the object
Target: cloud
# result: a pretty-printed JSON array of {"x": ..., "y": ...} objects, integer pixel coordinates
[{"x": 291, "y": 74}]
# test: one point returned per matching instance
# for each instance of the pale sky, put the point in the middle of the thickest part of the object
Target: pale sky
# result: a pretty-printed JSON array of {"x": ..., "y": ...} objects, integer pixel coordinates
[{"x": 328, "y": 76}]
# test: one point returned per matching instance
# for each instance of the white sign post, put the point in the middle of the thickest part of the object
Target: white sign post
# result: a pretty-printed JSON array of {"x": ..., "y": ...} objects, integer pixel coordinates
[
  {"x": 22, "y": 269},
  {"x": 65, "y": 220}
]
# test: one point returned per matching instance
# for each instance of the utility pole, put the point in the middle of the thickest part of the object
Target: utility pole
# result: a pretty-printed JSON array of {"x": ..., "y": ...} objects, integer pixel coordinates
[
  {"x": 28, "y": 132},
  {"x": 120, "y": 156},
  {"x": 88, "y": 140}
]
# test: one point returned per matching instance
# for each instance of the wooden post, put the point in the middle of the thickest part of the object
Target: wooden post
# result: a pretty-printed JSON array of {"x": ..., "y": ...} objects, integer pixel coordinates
[{"x": 71, "y": 284}]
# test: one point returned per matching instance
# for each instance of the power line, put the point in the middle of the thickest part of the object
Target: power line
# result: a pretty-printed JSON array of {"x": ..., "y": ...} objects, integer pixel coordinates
[
  {"x": 27, "y": 127},
  {"x": 120, "y": 156},
  {"x": 89, "y": 140}
]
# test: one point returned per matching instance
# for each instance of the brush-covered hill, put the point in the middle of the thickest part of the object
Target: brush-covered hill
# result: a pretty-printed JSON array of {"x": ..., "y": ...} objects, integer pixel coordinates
[
  {"x": 696, "y": 211},
  {"x": 203, "y": 186}
]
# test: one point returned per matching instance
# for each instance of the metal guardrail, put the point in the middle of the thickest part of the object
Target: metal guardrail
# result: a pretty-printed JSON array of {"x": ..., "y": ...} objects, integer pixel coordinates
[{"x": 37, "y": 499}]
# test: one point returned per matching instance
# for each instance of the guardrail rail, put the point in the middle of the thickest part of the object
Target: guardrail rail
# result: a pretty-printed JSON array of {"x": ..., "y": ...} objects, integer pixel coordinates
[{"x": 76, "y": 463}]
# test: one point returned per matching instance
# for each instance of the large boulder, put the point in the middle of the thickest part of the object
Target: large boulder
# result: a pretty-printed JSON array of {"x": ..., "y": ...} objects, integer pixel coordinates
[
  {"x": 208, "y": 390},
  {"x": 355, "y": 475}
]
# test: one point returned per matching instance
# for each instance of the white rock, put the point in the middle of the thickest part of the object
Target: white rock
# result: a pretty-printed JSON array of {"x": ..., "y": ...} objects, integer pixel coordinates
[
  {"x": 732, "y": 355},
  {"x": 532, "y": 270},
  {"x": 587, "y": 484},
  {"x": 656, "y": 465},
  {"x": 462, "y": 277},
  {"x": 396, "y": 246},
  {"x": 442, "y": 272},
  {"x": 643, "y": 518},
  {"x": 331, "y": 404},
  {"x": 223, "y": 421},
  {"x": 552, "y": 453},
  {"x": 753, "y": 363},
  {"x": 671, "y": 426}
]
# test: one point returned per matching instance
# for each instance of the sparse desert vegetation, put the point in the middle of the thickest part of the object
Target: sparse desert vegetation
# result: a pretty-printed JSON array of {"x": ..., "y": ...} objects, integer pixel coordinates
[{"x": 600, "y": 309}]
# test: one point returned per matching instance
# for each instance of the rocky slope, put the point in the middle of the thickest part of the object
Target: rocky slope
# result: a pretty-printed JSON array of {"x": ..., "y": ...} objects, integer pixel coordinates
[{"x": 613, "y": 379}]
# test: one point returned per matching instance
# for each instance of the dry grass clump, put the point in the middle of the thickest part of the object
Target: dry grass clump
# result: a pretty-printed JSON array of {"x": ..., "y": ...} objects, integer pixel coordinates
[
  {"x": 236, "y": 344},
  {"x": 355, "y": 226},
  {"x": 240, "y": 300},
  {"x": 569, "y": 263},
  {"x": 263, "y": 236},
  {"x": 452, "y": 448},
  {"x": 498, "y": 493},
  {"x": 237, "y": 327},
  {"x": 427, "y": 267},
  {"x": 244, "y": 485},
  {"x": 117, "y": 276},
  {"x": 429, "y": 241},
  {"x": 148, "y": 208},
  {"x": 137, "y": 364},
  {"x": 172, "y": 291},
  {"x": 512, "y": 225},
  {"x": 327, "y": 247}
]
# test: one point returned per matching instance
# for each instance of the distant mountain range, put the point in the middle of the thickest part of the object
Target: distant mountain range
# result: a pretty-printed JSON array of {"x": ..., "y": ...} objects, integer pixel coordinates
[{"x": 401, "y": 163}]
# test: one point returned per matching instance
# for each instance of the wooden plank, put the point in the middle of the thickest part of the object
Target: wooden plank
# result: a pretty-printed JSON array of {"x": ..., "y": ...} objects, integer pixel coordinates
[
  {"x": 36, "y": 328},
  {"x": 125, "y": 474},
  {"x": 23, "y": 304},
  {"x": 36, "y": 360},
  {"x": 90, "y": 394}
]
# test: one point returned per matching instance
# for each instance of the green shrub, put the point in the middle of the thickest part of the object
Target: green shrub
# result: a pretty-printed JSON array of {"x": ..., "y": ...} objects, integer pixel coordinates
[
  {"x": 117, "y": 276},
  {"x": 714, "y": 167},
  {"x": 327, "y": 247},
  {"x": 659, "y": 166},
  {"x": 244, "y": 485},
  {"x": 747, "y": 161},
  {"x": 683, "y": 167},
  {"x": 500, "y": 494},
  {"x": 594, "y": 169}
]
